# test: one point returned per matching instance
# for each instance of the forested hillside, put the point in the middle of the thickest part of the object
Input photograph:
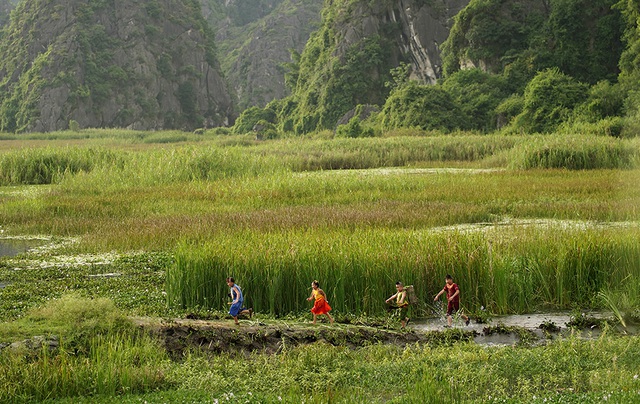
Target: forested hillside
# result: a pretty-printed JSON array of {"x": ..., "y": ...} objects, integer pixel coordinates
[
  {"x": 148, "y": 65},
  {"x": 348, "y": 60},
  {"x": 5, "y": 10},
  {"x": 522, "y": 66},
  {"x": 518, "y": 66}
]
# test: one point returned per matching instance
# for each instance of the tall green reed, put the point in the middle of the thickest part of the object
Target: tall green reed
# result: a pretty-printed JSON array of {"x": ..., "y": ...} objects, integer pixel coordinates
[
  {"x": 574, "y": 152},
  {"x": 507, "y": 270},
  {"x": 117, "y": 364}
]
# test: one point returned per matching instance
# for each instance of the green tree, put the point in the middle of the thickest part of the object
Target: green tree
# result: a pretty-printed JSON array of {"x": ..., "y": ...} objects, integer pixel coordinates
[
  {"x": 549, "y": 100},
  {"x": 478, "y": 94},
  {"x": 604, "y": 100},
  {"x": 251, "y": 116},
  {"x": 422, "y": 106}
]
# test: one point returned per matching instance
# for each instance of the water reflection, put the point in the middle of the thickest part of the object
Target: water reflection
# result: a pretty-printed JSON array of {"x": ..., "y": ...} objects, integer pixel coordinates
[{"x": 11, "y": 247}]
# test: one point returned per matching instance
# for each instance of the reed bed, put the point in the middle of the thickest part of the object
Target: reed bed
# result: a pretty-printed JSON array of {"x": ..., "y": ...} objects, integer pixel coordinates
[
  {"x": 321, "y": 154},
  {"x": 49, "y": 165},
  {"x": 575, "y": 153},
  {"x": 217, "y": 158},
  {"x": 112, "y": 211},
  {"x": 507, "y": 271}
]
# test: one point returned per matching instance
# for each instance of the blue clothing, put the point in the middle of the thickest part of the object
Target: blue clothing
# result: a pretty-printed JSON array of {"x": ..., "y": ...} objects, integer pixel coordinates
[{"x": 236, "y": 308}]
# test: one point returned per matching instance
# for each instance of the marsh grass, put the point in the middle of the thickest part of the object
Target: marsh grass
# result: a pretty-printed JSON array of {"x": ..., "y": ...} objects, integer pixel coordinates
[
  {"x": 508, "y": 272},
  {"x": 124, "y": 211},
  {"x": 168, "y": 160},
  {"x": 568, "y": 370},
  {"x": 574, "y": 153},
  {"x": 45, "y": 166},
  {"x": 100, "y": 352}
]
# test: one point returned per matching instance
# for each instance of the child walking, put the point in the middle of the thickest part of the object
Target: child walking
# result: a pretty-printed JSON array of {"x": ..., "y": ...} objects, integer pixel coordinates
[
  {"x": 401, "y": 303},
  {"x": 453, "y": 299},
  {"x": 237, "y": 301},
  {"x": 320, "y": 305}
]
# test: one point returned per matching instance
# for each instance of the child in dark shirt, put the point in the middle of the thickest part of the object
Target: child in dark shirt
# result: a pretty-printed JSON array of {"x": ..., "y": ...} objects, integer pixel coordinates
[{"x": 453, "y": 299}]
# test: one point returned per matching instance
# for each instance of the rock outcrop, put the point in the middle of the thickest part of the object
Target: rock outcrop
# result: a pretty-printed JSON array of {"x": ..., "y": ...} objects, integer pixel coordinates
[
  {"x": 139, "y": 65},
  {"x": 348, "y": 60},
  {"x": 5, "y": 10},
  {"x": 254, "y": 39},
  {"x": 416, "y": 28}
]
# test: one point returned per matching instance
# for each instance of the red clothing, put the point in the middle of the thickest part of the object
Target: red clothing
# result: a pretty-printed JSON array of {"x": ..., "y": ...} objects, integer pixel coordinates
[
  {"x": 321, "y": 307},
  {"x": 451, "y": 289}
]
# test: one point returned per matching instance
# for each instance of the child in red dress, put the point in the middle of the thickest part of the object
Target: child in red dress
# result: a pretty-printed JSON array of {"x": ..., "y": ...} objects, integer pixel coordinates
[{"x": 321, "y": 305}]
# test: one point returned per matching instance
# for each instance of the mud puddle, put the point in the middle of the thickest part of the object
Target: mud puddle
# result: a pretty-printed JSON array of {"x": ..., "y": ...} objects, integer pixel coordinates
[{"x": 514, "y": 329}]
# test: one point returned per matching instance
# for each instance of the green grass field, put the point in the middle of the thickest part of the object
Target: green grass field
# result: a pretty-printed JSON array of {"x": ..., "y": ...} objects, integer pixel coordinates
[{"x": 524, "y": 223}]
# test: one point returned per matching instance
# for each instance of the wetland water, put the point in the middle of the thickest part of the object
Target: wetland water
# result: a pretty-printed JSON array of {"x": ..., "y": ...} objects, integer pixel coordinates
[
  {"x": 531, "y": 322},
  {"x": 13, "y": 247}
]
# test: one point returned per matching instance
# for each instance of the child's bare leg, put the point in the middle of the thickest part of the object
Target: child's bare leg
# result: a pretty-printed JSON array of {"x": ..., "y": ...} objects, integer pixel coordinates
[
  {"x": 465, "y": 318},
  {"x": 330, "y": 318},
  {"x": 449, "y": 320},
  {"x": 314, "y": 318},
  {"x": 235, "y": 318}
]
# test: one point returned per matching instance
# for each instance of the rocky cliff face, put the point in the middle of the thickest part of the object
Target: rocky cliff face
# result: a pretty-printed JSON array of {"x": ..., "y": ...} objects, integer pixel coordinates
[
  {"x": 254, "y": 39},
  {"x": 5, "y": 10},
  {"x": 347, "y": 61},
  {"x": 141, "y": 65},
  {"x": 416, "y": 27}
]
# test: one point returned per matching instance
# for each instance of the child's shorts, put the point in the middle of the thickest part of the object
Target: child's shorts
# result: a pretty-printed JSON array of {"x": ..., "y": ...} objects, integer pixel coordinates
[
  {"x": 236, "y": 308},
  {"x": 452, "y": 307}
]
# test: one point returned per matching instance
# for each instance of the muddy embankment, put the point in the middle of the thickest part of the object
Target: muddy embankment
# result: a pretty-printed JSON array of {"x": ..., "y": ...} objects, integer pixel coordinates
[
  {"x": 180, "y": 336},
  {"x": 222, "y": 336}
]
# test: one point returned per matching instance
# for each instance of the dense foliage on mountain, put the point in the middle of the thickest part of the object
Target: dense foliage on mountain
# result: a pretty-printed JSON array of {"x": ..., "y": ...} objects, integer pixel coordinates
[
  {"x": 515, "y": 65},
  {"x": 347, "y": 60},
  {"x": 5, "y": 10},
  {"x": 520, "y": 37},
  {"x": 520, "y": 65},
  {"x": 630, "y": 59},
  {"x": 148, "y": 65}
]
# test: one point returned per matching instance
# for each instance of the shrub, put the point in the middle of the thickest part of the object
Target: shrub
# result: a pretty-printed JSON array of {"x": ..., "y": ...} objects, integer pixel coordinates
[
  {"x": 354, "y": 129},
  {"x": 478, "y": 94},
  {"x": 422, "y": 106},
  {"x": 250, "y": 117},
  {"x": 549, "y": 100},
  {"x": 605, "y": 100},
  {"x": 509, "y": 109}
]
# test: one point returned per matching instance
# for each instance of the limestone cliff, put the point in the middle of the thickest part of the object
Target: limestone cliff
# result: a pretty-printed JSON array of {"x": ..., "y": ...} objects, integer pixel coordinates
[
  {"x": 417, "y": 28},
  {"x": 254, "y": 39},
  {"x": 347, "y": 61},
  {"x": 117, "y": 63},
  {"x": 5, "y": 10}
]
